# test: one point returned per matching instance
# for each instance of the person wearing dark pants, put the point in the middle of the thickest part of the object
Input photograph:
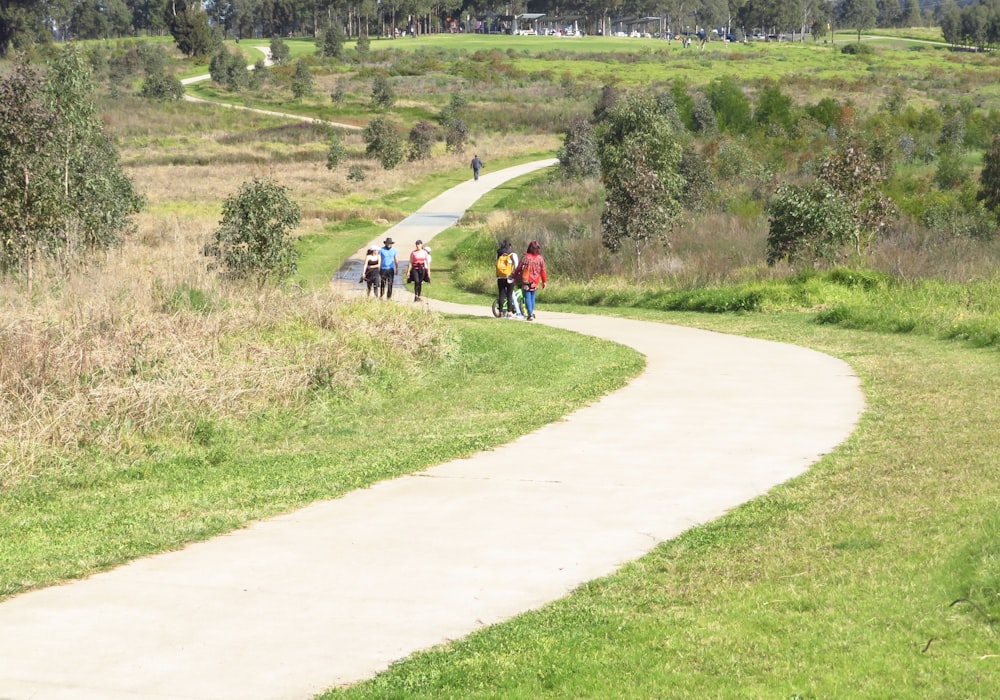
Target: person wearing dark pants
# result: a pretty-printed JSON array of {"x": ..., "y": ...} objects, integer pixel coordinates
[
  {"x": 506, "y": 264},
  {"x": 419, "y": 269},
  {"x": 388, "y": 268},
  {"x": 477, "y": 165}
]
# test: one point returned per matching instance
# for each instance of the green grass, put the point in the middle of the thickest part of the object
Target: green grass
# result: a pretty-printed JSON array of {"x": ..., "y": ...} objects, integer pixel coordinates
[
  {"x": 839, "y": 583},
  {"x": 99, "y": 511},
  {"x": 876, "y": 574}
]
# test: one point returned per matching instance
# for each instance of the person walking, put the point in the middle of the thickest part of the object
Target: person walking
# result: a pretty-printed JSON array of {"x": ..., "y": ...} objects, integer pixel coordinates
[
  {"x": 477, "y": 165},
  {"x": 506, "y": 264},
  {"x": 419, "y": 269},
  {"x": 529, "y": 274},
  {"x": 388, "y": 268},
  {"x": 369, "y": 273}
]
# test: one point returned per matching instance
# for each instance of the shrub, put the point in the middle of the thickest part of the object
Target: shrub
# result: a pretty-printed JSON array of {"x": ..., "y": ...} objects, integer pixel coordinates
[
  {"x": 253, "y": 241},
  {"x": 302, "y": 80},
  {"x": 698, "y": 184},
  {"x": 454, "y": 111},
  {"x": 383, "y": 95},
  {"x": 336, "y": 153},
  {"x": 161, "y": 86},
  {"x": 363, "y": 46},
  {"x": 703, "y": 119},
  {"x": 383, "y": 142},
  {"x": 356, "y": 173},
  {"x": 774, "y": 108},
  {"x": 188, "y": 24},
  {"x": 457, "y": 135},
  {"x": 333, "y": 39},
  {"x": 731, "y": 106},
  {"x": 259, "y": 74},
  {"x": 857, "y": 49},
  {"x": 578, "y": 155},
  {"x": 807, "y": 224},
  {"x": 338, "y": 93},
  {"x": 279, "y": 51},
  {"x": 421, "y": 140},
  {"x": 229, "y": 69}
]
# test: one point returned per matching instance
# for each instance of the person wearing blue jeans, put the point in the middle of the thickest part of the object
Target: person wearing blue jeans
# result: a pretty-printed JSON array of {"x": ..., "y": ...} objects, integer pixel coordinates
[
  {"x": 388, "y": 268},
  {"x": 477, "y": 165},
  {"x": 530, "y": 273}
]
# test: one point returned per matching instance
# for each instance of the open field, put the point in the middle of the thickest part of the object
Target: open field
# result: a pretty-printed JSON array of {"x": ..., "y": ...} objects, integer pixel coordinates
[{"x": 874, "y": 575}]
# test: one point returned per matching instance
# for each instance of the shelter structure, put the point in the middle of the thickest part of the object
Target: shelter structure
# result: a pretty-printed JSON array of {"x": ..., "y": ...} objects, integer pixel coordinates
[{"x": 527, "y": 23}]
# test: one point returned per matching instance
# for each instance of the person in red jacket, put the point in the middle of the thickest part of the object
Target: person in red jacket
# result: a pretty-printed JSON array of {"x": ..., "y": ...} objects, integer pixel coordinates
[{"x": 529, "y": 274}]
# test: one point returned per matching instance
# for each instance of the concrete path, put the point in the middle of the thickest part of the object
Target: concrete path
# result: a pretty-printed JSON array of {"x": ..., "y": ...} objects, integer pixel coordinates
[
  {"x": 266, "y": 50},
  {"x": 335, "y": 592}
]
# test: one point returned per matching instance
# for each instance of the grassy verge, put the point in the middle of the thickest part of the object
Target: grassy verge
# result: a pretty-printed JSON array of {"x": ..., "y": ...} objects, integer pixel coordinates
[
  {"x": 101, "y": 511},
  {"x": 837, "y": 584}
]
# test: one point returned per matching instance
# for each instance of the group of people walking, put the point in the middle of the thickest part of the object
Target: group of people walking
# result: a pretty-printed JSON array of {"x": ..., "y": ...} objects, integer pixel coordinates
[
  {"x": 526, "y": 273},
  {"x": 382, "y": 266}
]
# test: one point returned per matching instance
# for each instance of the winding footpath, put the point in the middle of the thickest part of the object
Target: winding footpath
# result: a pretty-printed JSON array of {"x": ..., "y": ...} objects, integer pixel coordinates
[{"x": 335, "y": 592}]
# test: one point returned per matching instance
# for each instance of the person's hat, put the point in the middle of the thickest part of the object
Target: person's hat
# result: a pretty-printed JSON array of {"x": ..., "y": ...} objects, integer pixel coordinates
[
  {"x": 419, "y": 242},
  {"x": 388, "y": 241}
]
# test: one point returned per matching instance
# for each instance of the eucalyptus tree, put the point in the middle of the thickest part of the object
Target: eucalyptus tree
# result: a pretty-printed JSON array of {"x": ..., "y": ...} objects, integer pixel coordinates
[
  {"x": 890, "y": 12},
  {"x": 949, "y": 17},
  {"x": 254, "y": 241},
  {"x": 63, "y": 194},
  {"x": 188, "y": 24},
  {"x": 22, "y": 24},
  {"x": 639, "y": 155},
  {"x": 859, "y": 15},
  {"x": 773, "y": 15}
]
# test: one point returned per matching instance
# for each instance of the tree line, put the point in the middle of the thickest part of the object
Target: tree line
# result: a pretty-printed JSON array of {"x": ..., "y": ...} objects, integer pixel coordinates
[
  {"x": 976, "y": 25},
  {"x": 26, "y": 22}
]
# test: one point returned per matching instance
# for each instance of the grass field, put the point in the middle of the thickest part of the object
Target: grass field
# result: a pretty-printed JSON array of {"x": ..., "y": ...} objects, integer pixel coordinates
[{"x": 874, "y": 575}]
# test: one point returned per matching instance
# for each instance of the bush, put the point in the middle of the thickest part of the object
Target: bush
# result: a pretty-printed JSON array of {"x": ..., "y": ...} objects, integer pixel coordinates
[
  {"x": 857, "y": 49},
  {"x": 161, "y": 86},
  {"x": 279, "y": 51},
  {"x": 421, "y": 140},
  {"x": 253, "y": 241},
  {"x": 807, "y": 224},
  {"x": 383, "y": 95},
  {"x": 302, "y": 80},
  {"x": 229, "y": 69},
  {"x": 333, "y": 39},
  {"x": 336, "y": 153},
  {"x": 731, "y": 106},
  {"x": 363, "y": 46},
  {"x": 384, "y": 142},
  {"x": 578, "y": 155},
  {"x": 456, "y": 136}
]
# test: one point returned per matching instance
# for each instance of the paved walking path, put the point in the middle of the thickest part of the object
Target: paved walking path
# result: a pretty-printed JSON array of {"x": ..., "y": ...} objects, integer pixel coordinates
[{"x": 333, "y": 593}]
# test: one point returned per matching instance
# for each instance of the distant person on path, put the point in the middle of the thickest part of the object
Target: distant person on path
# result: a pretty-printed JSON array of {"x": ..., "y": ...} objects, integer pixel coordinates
[
  {"x": 388, "y": 268},
  {"x": 370, "y": 272},
  {"x": 506, "y": 264},
  {"x": 529, "y": 274},
  {"x": 420, "y": 265},
  {"x": 477, "y": 165}
]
